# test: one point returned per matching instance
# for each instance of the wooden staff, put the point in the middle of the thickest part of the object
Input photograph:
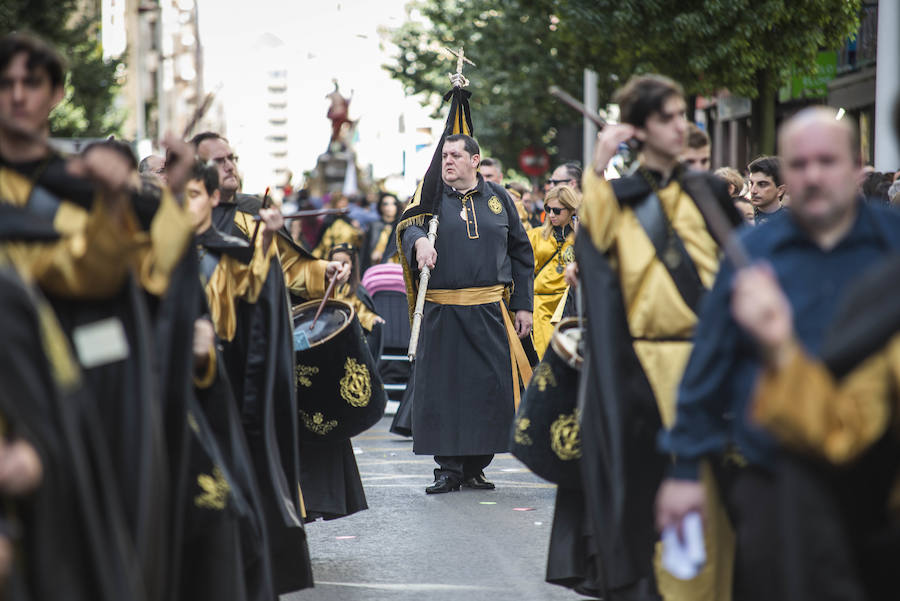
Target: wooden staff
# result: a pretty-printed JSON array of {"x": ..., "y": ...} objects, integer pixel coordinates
[
  {"x": 199, "y": 112},
  {"x": 324, "y": 300},
  {"x": 567, "y": 98},
  {"x": 419, "y": 311}
]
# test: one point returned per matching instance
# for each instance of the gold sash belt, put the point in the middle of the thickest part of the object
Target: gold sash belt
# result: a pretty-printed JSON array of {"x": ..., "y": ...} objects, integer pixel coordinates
[{"x": 486, "y": 295}]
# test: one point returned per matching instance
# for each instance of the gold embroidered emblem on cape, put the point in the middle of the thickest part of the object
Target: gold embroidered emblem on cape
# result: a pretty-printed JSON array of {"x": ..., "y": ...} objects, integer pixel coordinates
[
  {"x": 215, "y": 490},
  {"x": 495, "y": 205},
  {"x": 569, "y": 254},
  {"x": 565, "y": 437},
  {"x": 317, "y": 424},
  {"x": 356, "y": 385},
  {"x": 304, "y": 372},
  {"x": 543, "y": 376},
  {"x": 521, "y": 436}
]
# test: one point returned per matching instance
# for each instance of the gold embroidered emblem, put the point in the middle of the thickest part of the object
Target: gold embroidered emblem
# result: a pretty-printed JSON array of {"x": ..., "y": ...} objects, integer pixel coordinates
[
  {"x": 215, "y": 490},
  {"x": 543, "y": 377},
  {"x": 569, "y": 255},
  {"x": 495, "y": 205},
  {"x": 303, "y": 373},
  {"x": 521, "y": 435},
  {"x": 317, "y": 424},
  {"x": 356, "y": 386},
  {"x": 565, "y": 437}
]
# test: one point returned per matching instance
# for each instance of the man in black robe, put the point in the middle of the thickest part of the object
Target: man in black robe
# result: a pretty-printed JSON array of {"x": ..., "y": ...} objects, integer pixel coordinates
[
  {"x": 260, "y": 364},
  {"x": 470, "y": 359}
]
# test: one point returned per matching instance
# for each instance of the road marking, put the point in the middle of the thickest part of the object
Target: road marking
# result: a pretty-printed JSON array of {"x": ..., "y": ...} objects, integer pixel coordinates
[{"x": 420, "y": 587}]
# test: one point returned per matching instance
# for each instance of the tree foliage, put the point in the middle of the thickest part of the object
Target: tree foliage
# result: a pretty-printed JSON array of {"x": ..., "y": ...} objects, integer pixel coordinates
[
  {"x": 748, "y": 47},
  {"x": 519, "y": 51},
  {"x": 88, "y": 108}
]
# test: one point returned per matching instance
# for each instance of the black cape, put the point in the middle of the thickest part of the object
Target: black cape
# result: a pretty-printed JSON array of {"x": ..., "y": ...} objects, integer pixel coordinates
[
  {"x": 621, "y": 468},
  {"x": 126, "y": 393},
  {"x": 220, "y": 411},
  {"x": 72, "y": 527},
  {"x": 260, "y": 364}
]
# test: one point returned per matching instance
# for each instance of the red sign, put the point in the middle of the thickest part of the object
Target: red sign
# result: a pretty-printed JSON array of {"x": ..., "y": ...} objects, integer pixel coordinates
[{"x": 534, "y": 161}]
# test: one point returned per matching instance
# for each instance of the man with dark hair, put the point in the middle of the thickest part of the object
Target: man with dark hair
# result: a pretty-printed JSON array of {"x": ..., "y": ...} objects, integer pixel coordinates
[
  {"x": 646, "y": 259},
  {"x": 696, "y": 156},
  {"x": 766, "y": 188},
  {"x": 470, "y": 357},
  {"x": 491, "y": 170},
  {"x": 567, "y": 174},
  {"x": 41, "y": 57}
]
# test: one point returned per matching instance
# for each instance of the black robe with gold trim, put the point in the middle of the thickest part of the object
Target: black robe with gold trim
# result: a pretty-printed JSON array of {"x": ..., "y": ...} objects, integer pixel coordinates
[
  {"x": 463, "y": 396},
  {"x": 260, "y": 364},
  {"x": 74, "y": 543}
]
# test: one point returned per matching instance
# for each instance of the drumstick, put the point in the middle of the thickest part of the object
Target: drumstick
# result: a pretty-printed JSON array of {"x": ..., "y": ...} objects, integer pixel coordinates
[
  {"x": 199, "y": 112},
  {"x": 306, "y": 214},
  {"x": 324, "y": 300}
]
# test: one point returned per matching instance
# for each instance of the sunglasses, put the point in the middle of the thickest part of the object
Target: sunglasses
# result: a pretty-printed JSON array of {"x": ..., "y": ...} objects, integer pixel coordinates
[
  {"x": 556, "y": 210},
  {"x": 557, "y": 182}
]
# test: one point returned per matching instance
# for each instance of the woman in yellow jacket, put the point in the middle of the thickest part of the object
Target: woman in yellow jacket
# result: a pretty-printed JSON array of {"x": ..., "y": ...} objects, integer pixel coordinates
[{"x": 553, "y": 251}]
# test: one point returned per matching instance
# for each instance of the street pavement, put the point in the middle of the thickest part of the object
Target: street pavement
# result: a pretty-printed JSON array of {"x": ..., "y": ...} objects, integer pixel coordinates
[{"x": 469, "y": 545}]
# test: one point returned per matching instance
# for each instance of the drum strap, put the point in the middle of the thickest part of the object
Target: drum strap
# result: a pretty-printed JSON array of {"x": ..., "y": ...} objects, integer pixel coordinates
[
  {"x": 486, "y": 295},
  {"x": 670, "y": 250}
]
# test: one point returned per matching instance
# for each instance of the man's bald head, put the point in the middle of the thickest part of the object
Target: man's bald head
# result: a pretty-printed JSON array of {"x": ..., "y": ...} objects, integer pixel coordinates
[
  {"x": 821, "y": 116},
  {"x": 821, "y": 167}
]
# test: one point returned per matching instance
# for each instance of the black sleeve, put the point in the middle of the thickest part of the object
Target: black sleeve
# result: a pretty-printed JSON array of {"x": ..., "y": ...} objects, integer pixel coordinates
[
  {"x": 410, "y": 235},
  {"x": 521, "y": 255}
]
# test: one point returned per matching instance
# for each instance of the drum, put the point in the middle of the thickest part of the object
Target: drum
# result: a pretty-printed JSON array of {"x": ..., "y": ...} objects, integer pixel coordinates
[
  {"x": 546, "y": 434},
  {"x": 339, "y": 391}
]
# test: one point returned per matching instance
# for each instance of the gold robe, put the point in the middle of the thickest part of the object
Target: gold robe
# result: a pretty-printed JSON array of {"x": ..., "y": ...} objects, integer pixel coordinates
[
  {"x": 550, "y": 260},
  {"x": 96, "y": 250},
  {"x": 232, "y": 280},
  {"x": 303, "y": 276},
  {"x": 808, "y": 410},
  {"x": 340, "y": 231},
  {"x": 661, "y": 325}
]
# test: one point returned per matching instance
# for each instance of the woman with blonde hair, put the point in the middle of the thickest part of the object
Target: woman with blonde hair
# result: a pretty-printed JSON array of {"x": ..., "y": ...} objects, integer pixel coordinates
[{"x": 553, "y": 251}]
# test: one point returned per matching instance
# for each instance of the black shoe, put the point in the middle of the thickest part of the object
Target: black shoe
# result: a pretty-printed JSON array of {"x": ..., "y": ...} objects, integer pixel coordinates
[
  {"x": 478, "y": 482},
  {"x": 443, "y": 484}
]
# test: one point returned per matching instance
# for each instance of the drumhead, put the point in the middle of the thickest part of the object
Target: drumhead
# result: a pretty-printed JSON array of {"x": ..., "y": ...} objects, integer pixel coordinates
[
  {"x": 336, "y": 315},
  {"x": 565, "y": 340}
]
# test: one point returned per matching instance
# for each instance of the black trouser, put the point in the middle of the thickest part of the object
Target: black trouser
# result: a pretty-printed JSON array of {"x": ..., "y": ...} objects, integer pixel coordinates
[
  {"x": 750, "y": 496},
  {"x": 461, "y": 467}
]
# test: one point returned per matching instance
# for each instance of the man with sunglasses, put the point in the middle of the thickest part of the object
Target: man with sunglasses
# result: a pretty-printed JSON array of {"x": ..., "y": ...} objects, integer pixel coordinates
[{"x": 567, "y": 174}]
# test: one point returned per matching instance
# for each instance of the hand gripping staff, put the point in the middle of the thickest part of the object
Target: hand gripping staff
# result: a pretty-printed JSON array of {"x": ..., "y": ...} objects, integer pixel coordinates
[{"x": 419, "y": 311}]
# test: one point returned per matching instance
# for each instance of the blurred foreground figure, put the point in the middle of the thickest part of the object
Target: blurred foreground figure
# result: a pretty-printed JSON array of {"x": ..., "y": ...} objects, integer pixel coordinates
[
  {"x": 815, "y": 251},
  {"x": 645, "y": 260}
]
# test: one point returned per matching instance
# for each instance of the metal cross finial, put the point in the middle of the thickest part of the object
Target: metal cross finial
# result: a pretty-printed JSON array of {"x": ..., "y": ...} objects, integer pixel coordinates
[{"x": 458, "y": 79}]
